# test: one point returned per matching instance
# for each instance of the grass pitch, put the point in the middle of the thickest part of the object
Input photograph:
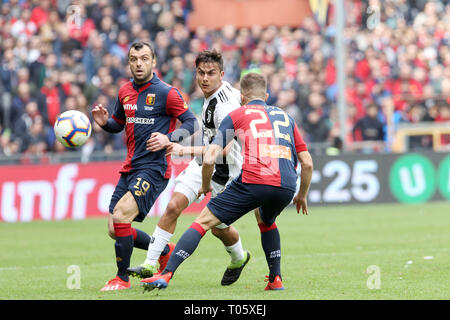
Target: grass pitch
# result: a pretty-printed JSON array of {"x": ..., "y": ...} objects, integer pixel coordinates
[{"x": 374, "y": 252}]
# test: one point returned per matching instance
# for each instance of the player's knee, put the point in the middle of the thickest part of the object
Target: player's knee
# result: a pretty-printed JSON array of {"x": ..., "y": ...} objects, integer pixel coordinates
[
  {"x": 229, "y": 236},
  {"x": 173, "y": 210},
  {"x": 219, "y": 233},
  {"x": 119, "y": 215},
  {"x": 216, "y": 232},
  {"x": 111, "y": 231},
  {"x": 224, "y": 232}
]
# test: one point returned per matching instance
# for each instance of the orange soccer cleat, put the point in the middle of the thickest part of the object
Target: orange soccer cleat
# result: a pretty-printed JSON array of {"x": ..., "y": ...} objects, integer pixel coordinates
[
  {"x": 275, "y": 284},
  {"x": 164, "y": 259},
  {"x": 160, "y": 281},
  {"x": 116, "y": 284}
]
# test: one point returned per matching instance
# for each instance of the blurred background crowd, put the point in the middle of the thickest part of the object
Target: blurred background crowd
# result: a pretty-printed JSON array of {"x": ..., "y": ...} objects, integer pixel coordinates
[{"x": 57, "y": 55}]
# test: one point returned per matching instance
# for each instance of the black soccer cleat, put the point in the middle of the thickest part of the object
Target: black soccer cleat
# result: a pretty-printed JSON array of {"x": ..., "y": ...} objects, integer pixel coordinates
[
  {"x": 142, "y": 271},
  {"x": 232, "y": 274}
]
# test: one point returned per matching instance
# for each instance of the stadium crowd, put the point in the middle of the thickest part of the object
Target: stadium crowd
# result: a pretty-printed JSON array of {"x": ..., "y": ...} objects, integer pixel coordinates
[{"x": 57, "y": 55}]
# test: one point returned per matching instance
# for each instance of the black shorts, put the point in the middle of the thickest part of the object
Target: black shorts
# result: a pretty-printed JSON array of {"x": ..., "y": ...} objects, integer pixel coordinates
[
  {"x": 239, "y": 198},
  {"x": 145, "y": 186}
]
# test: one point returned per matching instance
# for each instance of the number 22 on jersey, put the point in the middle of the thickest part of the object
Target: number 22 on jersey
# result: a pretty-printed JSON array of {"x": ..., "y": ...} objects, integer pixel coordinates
[{"x": 276, "y": 124}]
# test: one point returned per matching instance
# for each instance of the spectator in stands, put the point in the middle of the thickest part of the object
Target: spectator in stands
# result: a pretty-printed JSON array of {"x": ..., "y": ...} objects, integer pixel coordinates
[
  {"x": 53, "y": 98},
  {"x": 287, "y": 101},
  {"x": 151, "y": 10},
  {"x": 316, "y": 127},
  {"x": 178, "y": 70},
  {"x": 24, "y": 28},
  {"x": 40, "y": 13},
  {"x": 19, "y": 101},
  {"x": 22, "y": 127},
  {"x": 9, "y": 145},
  {"x": 369, "y": 127},
  {"x": 39, "y": 138},
  {"x": 93, "y": 54}
]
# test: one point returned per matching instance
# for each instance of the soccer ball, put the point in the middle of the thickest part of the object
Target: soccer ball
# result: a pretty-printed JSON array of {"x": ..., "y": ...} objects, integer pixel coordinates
[{"x": 72, "y": 128}]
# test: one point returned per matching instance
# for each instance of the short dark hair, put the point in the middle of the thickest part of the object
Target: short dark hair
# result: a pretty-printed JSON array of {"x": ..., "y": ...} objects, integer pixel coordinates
[
  {"x": 139, "y": 45},
  {"x": 209, "y": 56},
  {"x": 253, "y": 85}
]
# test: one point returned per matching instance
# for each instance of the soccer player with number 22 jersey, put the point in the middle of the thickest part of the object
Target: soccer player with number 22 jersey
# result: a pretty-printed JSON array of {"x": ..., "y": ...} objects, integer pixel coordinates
[{"x": 272, "y": 147}]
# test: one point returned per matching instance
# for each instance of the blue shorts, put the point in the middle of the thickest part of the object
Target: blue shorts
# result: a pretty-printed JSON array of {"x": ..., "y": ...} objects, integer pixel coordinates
[
  {"x": 239, "y": 198},
  {"x": 145, "y": 186}
]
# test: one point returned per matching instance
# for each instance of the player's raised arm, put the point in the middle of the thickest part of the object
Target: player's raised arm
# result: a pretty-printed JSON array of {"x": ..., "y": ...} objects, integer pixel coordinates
[{"x": 115, "y": 123}]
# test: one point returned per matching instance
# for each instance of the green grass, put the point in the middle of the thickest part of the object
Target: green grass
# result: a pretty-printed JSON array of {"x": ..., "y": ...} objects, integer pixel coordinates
[{"x": 324, "y": 256}]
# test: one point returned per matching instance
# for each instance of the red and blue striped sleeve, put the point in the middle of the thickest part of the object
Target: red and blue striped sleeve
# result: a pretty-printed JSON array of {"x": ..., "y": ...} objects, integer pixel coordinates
[
  {"x": 177, "y": 108},
  {"x": 175, "y": 104},
  {"x": 300, "y": 144}
]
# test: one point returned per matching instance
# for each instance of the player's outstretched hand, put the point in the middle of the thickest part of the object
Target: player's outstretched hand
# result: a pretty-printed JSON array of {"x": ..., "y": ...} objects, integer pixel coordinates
[
  {"x": 301, "y": 204},
  {"x": 157, "y": 141},
  {"x": 100, "y": 115}
]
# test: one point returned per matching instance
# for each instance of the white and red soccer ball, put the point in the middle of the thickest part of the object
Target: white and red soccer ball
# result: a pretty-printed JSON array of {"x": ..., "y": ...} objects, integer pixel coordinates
[{"x": 72, "y": 128}]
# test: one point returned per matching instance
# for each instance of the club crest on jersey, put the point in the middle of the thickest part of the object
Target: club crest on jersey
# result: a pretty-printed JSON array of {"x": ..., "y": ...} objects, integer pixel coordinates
[{"x": 150, "y": 100}]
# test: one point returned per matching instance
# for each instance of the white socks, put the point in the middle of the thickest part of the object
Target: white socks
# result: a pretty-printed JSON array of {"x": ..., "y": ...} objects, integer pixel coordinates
[
  {"x": 236, "y": 252},
  {"x": 161, "y": 239}
]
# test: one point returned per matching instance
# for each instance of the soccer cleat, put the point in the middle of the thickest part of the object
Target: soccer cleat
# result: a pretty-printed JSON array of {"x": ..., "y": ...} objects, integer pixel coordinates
[
  {"x": 233, "y": 271},
  {"x": 160, "y": 281},
  {"x": 275, "y": 284},
  {"x": 143, "y": 271},
  {"x": 116, "y": 284},
  {"x": 164, "y": 259}
]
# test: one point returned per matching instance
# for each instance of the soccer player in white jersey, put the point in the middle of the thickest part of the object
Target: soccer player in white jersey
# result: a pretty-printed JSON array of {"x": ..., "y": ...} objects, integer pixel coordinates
[{"x": 220, "y": 99}]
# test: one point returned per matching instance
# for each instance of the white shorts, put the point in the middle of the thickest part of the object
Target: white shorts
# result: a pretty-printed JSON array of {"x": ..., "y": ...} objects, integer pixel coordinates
[{"x": 189, "y": 182}]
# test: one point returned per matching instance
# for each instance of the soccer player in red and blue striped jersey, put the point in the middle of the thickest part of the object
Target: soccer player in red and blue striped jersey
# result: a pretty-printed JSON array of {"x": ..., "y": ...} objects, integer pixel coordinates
[
  {"x": 272, "y": 146},
  {"x": 147, "y": 108}
]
